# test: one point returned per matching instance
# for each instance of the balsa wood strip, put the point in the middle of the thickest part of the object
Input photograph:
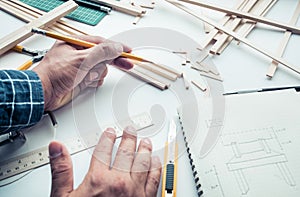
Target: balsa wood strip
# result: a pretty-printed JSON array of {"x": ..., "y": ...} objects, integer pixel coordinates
[
  {"x": 236, "y": 36},
  {"x": 261, "y": 9},
  {"x": 156, "y": 70},
  {"x": 256, "y": 18},
  {"x": 139, "y": 74},
  {"x": 69, "y": 28},
  {"x": 284, "y": 42},
  {"x": 9, "y": 41},
  {"x": 234, "y": 23},
  {"x": 210, "y": 36}
]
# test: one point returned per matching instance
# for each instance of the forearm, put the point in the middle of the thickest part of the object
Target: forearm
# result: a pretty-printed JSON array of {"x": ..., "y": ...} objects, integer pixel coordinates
[{"x": 21, "y": 100}]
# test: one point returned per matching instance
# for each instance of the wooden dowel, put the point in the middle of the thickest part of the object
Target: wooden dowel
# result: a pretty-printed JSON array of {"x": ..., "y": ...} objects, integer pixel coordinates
[
  {"x": 236, "y": 36},
  {"x": 260, "y": 19},
  {"x": 284, "y": 42}
]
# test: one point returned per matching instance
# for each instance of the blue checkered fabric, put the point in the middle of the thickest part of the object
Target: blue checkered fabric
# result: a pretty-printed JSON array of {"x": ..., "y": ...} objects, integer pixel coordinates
[{"x": 21, "y": 100}]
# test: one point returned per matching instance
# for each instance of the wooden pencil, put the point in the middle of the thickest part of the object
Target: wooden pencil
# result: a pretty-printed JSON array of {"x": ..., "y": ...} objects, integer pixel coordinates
[{"x": 82, "y": 43}]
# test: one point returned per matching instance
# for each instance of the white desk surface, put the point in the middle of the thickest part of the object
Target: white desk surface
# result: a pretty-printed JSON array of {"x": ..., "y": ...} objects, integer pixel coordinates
[{"x": 239, "y": 66}]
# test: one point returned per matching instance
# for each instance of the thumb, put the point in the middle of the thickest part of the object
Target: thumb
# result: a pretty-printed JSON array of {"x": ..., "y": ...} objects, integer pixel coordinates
[
  {"x": 61, "y": 169},
  {"x": 106, "y": 51}
]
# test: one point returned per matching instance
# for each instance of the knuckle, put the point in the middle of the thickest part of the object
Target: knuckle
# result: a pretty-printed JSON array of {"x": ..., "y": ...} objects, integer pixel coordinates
[
  {"x": 127, "y": 153},
  {"x": 121, "y": 187},
  {"x": 145, "y": 164},
  {"x": 95, "y": 180},
  {"x": 154, "y": 181}
]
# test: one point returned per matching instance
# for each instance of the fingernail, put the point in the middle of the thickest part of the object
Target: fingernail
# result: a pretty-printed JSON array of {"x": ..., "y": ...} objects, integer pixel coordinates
[
  {"x": 147, "y": 141},
  {"x": 130, "y": 129},
  {"x": 110, "y": 130},
  {"x": 55, "y": 150}
]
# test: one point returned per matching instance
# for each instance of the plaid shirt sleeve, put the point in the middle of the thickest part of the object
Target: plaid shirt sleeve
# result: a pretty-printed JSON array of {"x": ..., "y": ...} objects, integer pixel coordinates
[{"x": 21, "y": 100}]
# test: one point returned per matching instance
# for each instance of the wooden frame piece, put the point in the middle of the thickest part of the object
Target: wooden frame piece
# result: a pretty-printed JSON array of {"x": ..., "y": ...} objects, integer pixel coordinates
[
  {"x": 27, "y": 16},
  {"x": 61, "y": 24},
  {"x": 255, "y": 18},
  {"x": 236, "y": 36},
  {"x": 46, "y": 20},
  {"x": 284, "y": 42},
  {"x": 119, "y": 6}
]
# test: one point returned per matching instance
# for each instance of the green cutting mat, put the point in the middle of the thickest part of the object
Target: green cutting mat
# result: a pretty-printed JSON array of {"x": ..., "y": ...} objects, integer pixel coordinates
[{"x": 82, "y": 14}]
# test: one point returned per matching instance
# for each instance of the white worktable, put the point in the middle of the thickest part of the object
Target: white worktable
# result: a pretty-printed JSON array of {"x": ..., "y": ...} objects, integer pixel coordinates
[{"x": 239, "y": 66}]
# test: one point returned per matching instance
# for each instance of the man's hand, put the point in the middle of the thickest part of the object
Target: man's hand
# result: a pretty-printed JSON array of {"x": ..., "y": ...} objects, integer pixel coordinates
[
  {"x": 67, "y": 69},
  {"x": 131, "y": 174}
]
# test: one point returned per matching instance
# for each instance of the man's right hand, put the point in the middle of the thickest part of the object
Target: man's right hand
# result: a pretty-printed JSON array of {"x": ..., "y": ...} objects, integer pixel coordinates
[{"x": 131, "y": 174}]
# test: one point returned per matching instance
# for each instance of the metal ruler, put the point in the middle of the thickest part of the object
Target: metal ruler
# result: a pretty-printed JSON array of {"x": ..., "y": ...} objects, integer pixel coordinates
[{"x": 40, "y": 157}]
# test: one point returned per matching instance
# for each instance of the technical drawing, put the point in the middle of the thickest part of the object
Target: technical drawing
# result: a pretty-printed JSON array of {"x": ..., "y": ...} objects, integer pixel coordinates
[{"x": 251, "y": 149}]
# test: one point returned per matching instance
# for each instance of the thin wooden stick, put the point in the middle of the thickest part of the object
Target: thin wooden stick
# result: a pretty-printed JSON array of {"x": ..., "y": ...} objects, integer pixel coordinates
[
  {"x": 233, "y": 25},
  {"x": 284, "y": 42},
  {"x": 236, "y": 36},
  {"x": 60, "y": 23},
  {"x": 247, "y": 27},
  {"x": 156, "y": 70},
  {"x": 144, "y": 77},
  {"x": 212, "y": 76},
  {"x": 199, "y": 85},
  {"x": 119, "y": 6},
  {"x": 167, "y": 68},
  {"x": 46, "y": 20},
  {"x": 136, "y": 20},
  {"x": 15, "y": 12},
  {"x": 27, "y": 15},
  {"x": 214, "y": 31},
  {"x": 260, "y": 19},
  {"x": 185, "y": 81},
  {"x": 261, "y": 10},
  {"x": 24, "y": 16}
]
